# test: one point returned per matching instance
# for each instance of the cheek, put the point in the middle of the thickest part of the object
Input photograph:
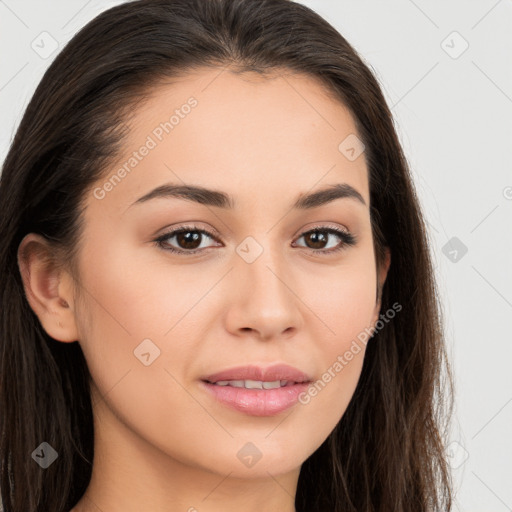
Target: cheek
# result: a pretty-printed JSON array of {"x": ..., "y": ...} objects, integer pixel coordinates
[
  {"x": 345, "y": 307},
  {"x": 344, "y": 300},
  {"x": 133, "y": 295},
  {"x": 130, "y": 298},
  {"x": 122, "y": 307},
  {"x": 116, "y": 314}
]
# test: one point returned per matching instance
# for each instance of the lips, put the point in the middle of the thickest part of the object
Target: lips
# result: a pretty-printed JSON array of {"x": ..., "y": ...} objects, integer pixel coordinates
[
  {"x": 279, "y": 372},
  {"x": 257, "y": 391}
]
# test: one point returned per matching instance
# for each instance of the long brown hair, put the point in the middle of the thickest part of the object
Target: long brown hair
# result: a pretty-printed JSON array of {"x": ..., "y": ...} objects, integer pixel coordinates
[{"x": 387, "y": 452}]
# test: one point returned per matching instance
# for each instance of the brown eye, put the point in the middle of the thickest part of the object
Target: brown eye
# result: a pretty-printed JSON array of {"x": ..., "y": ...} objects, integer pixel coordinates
[
  {"x": 316, "y": 239},
  {"x": 188, "y": 240},
  {"x": 319, "y": 238}
]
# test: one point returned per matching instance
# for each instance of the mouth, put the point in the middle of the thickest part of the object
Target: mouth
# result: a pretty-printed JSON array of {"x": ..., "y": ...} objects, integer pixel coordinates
[
  {"x": 253, "y": 375},
  {"x": 257, "y": 391},
  {"x": 256, "y": 384}
]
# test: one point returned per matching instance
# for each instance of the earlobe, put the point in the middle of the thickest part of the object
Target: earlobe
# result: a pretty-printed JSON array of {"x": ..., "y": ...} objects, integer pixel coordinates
[{"x": 48, "y": 287}]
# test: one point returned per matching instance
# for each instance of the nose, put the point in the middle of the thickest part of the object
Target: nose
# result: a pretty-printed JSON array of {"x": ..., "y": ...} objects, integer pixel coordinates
[{"x": 264, "y": 302}]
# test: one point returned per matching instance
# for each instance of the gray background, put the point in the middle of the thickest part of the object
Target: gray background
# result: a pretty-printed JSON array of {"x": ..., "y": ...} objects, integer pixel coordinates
[{"x": 453, "y": 110}]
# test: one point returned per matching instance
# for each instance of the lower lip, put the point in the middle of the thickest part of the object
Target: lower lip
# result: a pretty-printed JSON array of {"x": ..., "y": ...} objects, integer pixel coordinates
[{"x": 257, "y": 402}]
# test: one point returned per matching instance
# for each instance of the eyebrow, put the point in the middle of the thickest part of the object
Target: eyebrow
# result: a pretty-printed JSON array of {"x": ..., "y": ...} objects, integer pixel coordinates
[{"x": 220, "y": 199}]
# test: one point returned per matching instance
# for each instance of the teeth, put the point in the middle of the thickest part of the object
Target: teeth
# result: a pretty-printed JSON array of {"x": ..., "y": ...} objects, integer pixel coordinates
[
  {"x": 252, "y": 384},
  {"x": 272, "y": 385}
]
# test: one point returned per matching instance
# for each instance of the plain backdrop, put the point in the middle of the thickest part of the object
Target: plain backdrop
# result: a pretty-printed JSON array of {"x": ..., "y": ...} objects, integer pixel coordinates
[{"x": 446, "y": 70}]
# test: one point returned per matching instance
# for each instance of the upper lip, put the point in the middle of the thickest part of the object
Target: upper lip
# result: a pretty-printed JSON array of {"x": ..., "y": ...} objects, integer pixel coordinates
[{"x": 267, "y": 374}]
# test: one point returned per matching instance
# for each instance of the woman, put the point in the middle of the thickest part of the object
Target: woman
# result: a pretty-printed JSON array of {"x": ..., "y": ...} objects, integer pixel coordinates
[{"x": 217, "y": 292}]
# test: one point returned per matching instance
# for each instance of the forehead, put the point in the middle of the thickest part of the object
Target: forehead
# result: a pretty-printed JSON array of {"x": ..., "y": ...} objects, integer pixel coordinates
[{"x": 242, "y": 133}]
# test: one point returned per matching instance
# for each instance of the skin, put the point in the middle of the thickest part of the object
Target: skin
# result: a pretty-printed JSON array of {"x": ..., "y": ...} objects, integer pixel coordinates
[{"x": 161, "y": 442}]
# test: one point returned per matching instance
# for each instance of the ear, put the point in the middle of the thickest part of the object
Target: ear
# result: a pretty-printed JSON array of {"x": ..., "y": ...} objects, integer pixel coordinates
[
  {"x": 381, "y": 277},
  {"x": 48, "y": 288}
]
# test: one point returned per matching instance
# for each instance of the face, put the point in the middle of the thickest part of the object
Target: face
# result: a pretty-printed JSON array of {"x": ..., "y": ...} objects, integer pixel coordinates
[{"x": 251, "y": 279}]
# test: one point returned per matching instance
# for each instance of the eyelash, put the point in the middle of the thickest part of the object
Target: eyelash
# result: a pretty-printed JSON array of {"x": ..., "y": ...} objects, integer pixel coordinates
[{"x": 348, "y": 239}]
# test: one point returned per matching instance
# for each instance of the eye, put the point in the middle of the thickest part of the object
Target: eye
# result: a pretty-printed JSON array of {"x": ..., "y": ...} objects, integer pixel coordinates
[
  {"x": 188, "y": 238},
  {"x": 319, "y": 238}
]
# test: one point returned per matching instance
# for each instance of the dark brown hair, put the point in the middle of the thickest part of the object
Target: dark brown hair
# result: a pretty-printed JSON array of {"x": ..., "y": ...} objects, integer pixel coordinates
[{"x": 387, "y": 452}]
